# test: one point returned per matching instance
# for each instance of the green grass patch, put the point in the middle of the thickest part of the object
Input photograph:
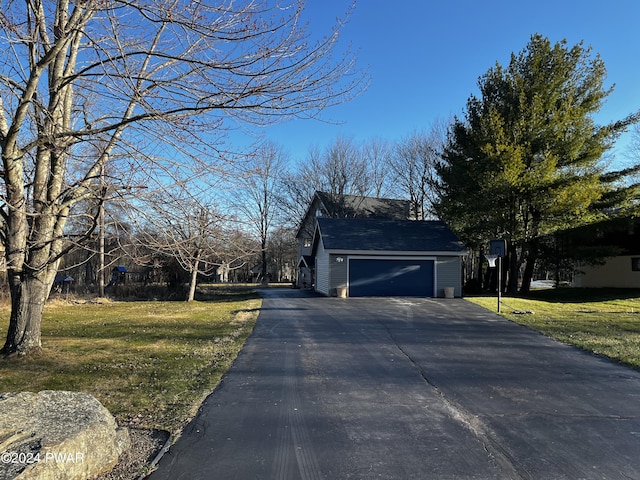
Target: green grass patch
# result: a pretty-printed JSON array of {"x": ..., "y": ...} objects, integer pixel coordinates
[
  {"x": 603, "y": 321},
  {"x": 149, "y": 363}
]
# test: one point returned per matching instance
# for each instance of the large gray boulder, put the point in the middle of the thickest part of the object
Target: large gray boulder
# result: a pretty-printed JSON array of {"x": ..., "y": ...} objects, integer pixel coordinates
[{"x": 57, "y": 435}]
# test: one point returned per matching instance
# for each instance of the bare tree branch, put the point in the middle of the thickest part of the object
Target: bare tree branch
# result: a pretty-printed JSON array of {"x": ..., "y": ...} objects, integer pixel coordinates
[{"x": 130, "y": 77}]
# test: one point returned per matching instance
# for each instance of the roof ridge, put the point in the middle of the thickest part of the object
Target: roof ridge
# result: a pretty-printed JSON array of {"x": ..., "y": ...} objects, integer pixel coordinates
[{"x": 321, "y": 192}]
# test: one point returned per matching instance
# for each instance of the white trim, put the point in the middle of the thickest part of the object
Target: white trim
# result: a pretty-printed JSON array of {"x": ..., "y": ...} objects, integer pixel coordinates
[
  {"x": 434, "y": 259},
  {"x": 399, "y": 253},
  {"x": 303, "y": 261}
]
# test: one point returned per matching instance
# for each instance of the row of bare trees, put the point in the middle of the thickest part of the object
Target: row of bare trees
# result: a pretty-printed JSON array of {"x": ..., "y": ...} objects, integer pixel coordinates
[
  {"x": 99, "y": 100},
  {"x": 169, "y": 248},
  {"x": 376, "y": 167},
  {"x": 212, "y": 223}
]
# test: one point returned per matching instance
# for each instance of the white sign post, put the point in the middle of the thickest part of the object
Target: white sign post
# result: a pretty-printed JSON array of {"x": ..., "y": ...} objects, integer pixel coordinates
[{"x": 494, "y": 261}]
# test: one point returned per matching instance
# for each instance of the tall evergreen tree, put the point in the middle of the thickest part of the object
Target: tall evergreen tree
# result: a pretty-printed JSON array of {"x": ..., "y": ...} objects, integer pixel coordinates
[{"x": 527, "y": 159}]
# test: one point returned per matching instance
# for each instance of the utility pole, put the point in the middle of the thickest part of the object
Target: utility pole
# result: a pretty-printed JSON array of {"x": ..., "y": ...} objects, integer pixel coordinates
[
  {"x": 101, "y": 225},
  {"x": 499, "y": 281},
  {"x": 101, "y": 235}
]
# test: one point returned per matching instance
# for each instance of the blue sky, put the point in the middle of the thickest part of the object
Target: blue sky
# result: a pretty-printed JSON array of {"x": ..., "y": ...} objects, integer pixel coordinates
[{"x": 424, "y": 58}]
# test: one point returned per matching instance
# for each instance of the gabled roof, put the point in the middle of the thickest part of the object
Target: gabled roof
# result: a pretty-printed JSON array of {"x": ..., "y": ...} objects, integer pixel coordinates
[
  {"x": 382, "y": 235},
  {"x": 335, "y": 205},
  {"x": 354, "y": 206},
  {"x": 306, "y": 261}
]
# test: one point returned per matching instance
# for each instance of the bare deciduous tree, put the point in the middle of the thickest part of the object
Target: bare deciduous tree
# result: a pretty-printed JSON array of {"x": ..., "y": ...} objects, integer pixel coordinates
[
  {"x": 256, "y": 198},
  {"x": 413, "y": 166},
  {"x": 377, "y": 155},
  {"x": 344, "y": 167},
  {"x": 186, "y": 230},
  {"x": 134, "y": 78}
]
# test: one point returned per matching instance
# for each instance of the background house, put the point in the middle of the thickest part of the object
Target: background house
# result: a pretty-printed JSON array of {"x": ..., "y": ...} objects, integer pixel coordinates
[
  {"x": 621, "y": 267},
  {"x": 382, "y": 257}
]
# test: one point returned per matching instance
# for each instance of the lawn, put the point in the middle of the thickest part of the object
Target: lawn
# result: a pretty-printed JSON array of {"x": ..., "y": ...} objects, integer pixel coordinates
[
  {"x": 149, "y": 363},
  {"x": 603, "y": 321}
]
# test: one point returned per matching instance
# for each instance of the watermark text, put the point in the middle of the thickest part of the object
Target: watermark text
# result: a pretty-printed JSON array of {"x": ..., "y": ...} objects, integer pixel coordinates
[{"x": 29, "y": 458}]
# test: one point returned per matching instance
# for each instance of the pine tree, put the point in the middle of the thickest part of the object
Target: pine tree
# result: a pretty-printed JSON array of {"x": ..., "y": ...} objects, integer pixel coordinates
[{"x": 527, "y": 159}]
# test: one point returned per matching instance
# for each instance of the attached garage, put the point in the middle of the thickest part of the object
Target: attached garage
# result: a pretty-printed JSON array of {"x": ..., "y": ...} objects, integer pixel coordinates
[{"x": 375, "y": 257}]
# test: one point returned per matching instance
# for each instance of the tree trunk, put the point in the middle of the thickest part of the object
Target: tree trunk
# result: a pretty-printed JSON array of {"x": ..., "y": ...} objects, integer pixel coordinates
[
  {"x": 264, "y": 271},
  {"x": 529, "y": 267},
  {"x": 512, "y": 269},
  {"x": 194, "y": 278},
  {"x": 28, "y": 296},
  {"x": 480, "y": 264}
]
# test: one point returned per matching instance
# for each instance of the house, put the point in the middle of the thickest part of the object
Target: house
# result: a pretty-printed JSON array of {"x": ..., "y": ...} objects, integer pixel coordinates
[
  {"x": 621, "y": 268},
  {"x": 329, "y": 205},
  {"x": 366, "y": 246},
  {"x": 382, "y": 257}
]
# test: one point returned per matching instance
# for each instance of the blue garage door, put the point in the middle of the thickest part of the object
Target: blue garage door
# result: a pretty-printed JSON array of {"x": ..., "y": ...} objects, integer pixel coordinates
[{"x": 390, "y": 278}]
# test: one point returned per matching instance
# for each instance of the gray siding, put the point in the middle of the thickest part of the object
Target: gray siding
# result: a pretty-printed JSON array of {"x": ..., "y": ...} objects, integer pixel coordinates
[
  {"x": 322, "y": 270},
  {"x": 302, "y": 250},
  {"x": 305, "y": 278},
  {"x": 306, "y": 233},
  {"x": 448, "y": 274}
]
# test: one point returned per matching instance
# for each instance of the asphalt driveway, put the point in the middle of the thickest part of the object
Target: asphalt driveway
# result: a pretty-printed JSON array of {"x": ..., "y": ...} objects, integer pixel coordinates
[{"x": 407, "y": 388}]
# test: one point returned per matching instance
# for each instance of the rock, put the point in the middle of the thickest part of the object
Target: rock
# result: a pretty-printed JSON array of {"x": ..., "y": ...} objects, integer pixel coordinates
[{"x": 55, "y": 435}]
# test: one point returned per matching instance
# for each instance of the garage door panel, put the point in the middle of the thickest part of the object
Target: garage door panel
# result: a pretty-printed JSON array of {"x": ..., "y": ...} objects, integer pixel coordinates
[{"x": 390, "y": 277}]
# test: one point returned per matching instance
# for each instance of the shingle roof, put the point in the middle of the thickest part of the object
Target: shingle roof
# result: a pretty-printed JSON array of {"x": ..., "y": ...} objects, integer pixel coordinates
[
  {"x": 335, "y": 205},
  {"x": 353, "y": 206},
  {"x": 370, "y": 234}
]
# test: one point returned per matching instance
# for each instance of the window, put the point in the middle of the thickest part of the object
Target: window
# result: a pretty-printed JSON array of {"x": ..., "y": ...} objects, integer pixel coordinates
[
  {"x": 307, "y": 242},
  {"x": 635, "y": 264}
]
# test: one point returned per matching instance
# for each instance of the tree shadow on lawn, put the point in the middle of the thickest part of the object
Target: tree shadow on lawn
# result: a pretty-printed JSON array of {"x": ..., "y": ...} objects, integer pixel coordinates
[{"x": 583, "y": 295}]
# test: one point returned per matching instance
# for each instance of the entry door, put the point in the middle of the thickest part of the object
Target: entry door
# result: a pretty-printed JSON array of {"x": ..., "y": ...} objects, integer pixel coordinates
[{"x": 391, "y": 278}]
